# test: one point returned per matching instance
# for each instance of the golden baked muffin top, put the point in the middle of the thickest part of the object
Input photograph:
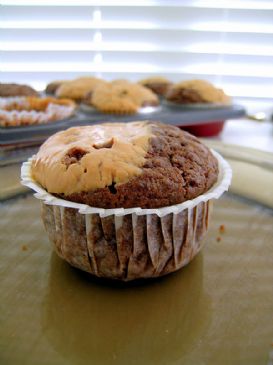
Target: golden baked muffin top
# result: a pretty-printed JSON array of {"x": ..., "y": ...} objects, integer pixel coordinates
[
  {"x": 78, "y": 88},
  {"x": 122, "y": 98}
]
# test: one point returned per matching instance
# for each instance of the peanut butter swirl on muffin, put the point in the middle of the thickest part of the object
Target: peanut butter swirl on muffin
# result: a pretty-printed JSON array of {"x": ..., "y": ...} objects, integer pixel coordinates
[{"x": 138, "y": 164}]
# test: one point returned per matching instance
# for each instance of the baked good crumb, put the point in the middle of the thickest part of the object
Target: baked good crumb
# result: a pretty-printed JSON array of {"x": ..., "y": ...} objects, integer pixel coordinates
[{"x": 222, "y": 228}]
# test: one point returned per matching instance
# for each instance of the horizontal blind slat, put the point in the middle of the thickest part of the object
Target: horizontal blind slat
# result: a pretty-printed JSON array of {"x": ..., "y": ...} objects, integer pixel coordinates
[
  {"x": 115, "y": 40},
  {"x": 81, "y": 48},
  {"x": 202, "y": 69},
  {"x": 251, "y": 21},
  {"x": 228, "y": 4},
  {"x": 122, "y": 57}
]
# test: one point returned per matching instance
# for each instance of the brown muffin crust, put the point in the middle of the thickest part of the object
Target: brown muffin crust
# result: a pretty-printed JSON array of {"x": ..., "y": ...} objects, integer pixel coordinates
[
  {"x": 12, "y": 89},
  {"x": 178, "y": 167}
]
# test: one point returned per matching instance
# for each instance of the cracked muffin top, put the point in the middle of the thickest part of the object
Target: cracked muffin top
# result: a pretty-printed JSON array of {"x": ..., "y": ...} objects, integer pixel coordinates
[{"x": 137, "y": 164}]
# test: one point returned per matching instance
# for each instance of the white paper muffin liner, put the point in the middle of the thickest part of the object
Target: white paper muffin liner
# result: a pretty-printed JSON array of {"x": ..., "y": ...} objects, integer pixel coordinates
[{"x": 132, "y": 243}]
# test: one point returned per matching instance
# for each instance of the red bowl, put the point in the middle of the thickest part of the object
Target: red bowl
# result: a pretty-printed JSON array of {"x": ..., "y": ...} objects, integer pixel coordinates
[{"x": 209, "y": 129}]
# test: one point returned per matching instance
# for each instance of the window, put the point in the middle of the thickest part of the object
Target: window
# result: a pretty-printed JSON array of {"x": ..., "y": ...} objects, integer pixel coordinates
[{"x": 226, "y": 42}]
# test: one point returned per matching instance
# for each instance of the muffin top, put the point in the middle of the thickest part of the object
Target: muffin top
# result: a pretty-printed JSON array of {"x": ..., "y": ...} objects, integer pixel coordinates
[
  {"x": 77, "y": 89},
  {"x": 7, "y": 90},
  {"x": 196, "y": 91},
  {"x": 122, "y": 97},
  {"x": 138, "y": 164}
]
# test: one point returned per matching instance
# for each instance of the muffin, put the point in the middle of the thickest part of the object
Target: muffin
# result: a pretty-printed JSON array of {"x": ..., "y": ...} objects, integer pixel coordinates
[
  {"x": 78, "y": 88},
  {"x": 127, "y": 201},
  {"x": 52, "y": 87},
  {"x": 87, "y": 100},
  {"x": 121, "y": 98},
  {"x": 8, "y": 90},
  {"x": 159, "y": 85},
  {"x": 22, "y": 111},
  {"x": 196, "y": 91}
]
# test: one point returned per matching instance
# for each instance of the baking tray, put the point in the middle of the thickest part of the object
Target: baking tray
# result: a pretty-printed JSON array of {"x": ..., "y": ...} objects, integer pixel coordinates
[
  {"x": 216, "y": 310},
  {"x": 170, "y": 115}
]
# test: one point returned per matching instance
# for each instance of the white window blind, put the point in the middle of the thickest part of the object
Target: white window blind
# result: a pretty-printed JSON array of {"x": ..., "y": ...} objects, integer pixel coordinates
[{"x": 229, "y": 43}]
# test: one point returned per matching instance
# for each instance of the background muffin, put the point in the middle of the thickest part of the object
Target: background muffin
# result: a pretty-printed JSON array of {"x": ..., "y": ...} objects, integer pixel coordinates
[
  {"x": 196, "y": 91},
  {"x": 122, "y": 97},
  {"x": 158, "y": 84},
  {"x": 30, "y": 110},
  {"x": 7, "y": 90},
  {"x": 78, "y": 88}
]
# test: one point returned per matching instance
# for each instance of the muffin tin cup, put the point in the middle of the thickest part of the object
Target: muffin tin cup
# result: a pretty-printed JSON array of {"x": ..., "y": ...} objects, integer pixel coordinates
[{"x": 128, "y": 244}]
